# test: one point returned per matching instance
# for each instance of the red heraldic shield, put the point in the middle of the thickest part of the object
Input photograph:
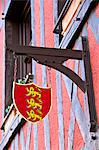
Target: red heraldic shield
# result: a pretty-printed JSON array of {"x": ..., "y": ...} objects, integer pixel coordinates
[{"x": 33, "y": 102}]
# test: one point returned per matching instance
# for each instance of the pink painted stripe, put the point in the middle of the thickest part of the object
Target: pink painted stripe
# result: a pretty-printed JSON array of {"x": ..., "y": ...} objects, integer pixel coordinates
[
  {"x": 53, "y": 115},
  {"x": 38, "y": 69}
]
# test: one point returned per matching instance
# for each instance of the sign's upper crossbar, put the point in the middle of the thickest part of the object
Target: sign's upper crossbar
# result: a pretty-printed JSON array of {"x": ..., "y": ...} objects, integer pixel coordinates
[
  {"x": 53, "y": 57},
  {"x": 44, "y": 51}
]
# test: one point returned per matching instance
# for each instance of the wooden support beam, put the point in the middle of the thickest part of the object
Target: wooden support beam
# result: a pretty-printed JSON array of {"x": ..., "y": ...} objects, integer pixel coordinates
[
  {"x": 89, "y": 85},
  {"x": 54, "y": 58},
  {"x": 62, "y": 54}
]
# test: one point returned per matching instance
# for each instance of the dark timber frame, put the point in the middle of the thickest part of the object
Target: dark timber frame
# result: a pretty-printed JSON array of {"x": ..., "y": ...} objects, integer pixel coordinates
[{"x": 55, "y": 58}]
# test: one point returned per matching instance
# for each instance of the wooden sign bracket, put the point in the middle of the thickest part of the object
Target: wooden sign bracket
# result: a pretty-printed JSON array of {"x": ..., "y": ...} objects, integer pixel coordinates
[{"x": 55, "y": 57}]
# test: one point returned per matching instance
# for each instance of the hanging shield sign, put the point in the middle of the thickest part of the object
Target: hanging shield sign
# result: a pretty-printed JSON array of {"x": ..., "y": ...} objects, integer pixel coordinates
[{"x": 32, "y": 102}]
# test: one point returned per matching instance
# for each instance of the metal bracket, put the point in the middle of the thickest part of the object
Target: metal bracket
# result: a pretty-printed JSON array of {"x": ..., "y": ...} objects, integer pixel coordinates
[{"x": 54, "y": 57}]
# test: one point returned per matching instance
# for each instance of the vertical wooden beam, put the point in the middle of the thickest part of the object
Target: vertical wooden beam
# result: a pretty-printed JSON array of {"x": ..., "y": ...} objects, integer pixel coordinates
[
  {"x": 71, "y": 130},
  {"x": 22, "y": 142},
  {"x": 46, "y": 119},
  {"x": 15, "y": 141},
  {"x": 89, "y": 86},
  {"x": 86, "y": 108},
  {"x": 59, "y": 84},
  {"x": 60, "y": 111},
  {"x": 28, "y": 136},
  {"x": 35, "y": 129},
  {"x": 33, "y": 37},
  {"x": 72, "y": 116}
]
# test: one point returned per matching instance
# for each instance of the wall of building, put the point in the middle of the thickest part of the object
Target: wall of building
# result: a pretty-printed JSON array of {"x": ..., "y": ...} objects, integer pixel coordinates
[{"x": 62, "y": 127}]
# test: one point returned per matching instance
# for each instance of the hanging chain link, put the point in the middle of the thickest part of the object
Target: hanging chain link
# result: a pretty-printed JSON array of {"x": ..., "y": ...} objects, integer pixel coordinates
[{"x": 15, "y": 66}]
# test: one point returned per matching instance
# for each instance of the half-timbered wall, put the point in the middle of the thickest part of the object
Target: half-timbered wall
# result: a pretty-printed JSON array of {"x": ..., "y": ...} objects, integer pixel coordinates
[{"x": 67, "y": 125}]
